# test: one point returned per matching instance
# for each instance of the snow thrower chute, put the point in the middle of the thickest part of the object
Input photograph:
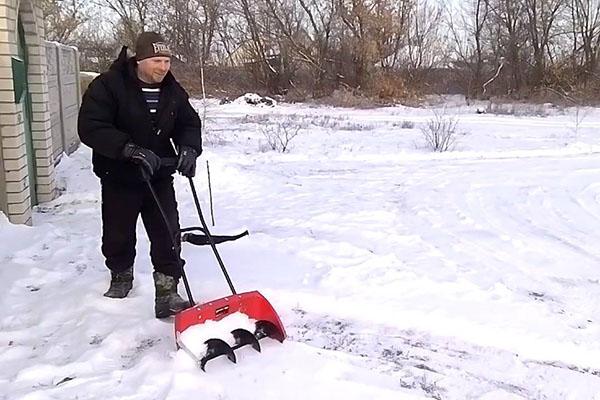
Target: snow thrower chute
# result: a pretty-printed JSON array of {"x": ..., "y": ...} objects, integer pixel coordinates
[{"x": 253, "y": 304}]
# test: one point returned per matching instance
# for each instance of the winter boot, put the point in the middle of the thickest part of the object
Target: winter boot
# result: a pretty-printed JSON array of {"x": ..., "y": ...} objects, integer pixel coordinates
[
  {"x": 176, "y": 297},
  {"x": 120, "y": 284},
  {"x": 167, "y": 302}
]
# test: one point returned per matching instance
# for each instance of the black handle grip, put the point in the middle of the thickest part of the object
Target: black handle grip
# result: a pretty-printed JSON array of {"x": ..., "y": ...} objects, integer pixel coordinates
[
  {"x": 169, "y": 162},
  {"x": 203, "y": 240}
]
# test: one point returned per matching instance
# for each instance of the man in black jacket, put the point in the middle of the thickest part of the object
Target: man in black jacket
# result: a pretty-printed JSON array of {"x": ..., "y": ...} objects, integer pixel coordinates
[{"x": 131, "y": 116}]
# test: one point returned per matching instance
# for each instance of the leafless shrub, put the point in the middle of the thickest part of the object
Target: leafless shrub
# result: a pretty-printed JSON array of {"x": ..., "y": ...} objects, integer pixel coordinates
[
  {"x": 329, "y": 122},
  {"x": 356, "y": 126},
  {"x": 405, "y": 124},
  {"x": 255, "y": 119},
  {"x": 211, "y": 135},
  {"x": 280, "y": 135},
  {"x": 440, "y": 132},
  {"x": 323, "y": 121},
  {"x": 580, "y": 113}
]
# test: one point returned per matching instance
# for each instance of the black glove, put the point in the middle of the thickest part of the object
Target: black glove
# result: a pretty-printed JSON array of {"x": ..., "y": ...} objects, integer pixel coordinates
[
  {"x": 141, "y": 156},
  {"x": 187, "y": 161}
]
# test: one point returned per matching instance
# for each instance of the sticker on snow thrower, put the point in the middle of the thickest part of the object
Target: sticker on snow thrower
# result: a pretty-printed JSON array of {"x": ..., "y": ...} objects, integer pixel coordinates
[{"x": 222, "y": 310}]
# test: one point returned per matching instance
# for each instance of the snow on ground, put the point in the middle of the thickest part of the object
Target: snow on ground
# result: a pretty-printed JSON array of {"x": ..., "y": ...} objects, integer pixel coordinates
[{"x": 399, "y": 273}]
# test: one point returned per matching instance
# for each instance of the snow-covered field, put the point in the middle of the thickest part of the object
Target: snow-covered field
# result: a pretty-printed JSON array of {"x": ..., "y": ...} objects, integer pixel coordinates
[{"x": 399, "y": 273}]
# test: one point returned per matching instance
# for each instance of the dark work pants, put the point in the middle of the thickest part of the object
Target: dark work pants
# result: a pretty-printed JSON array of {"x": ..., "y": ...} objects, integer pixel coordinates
[{"x": 121, "y": 206}]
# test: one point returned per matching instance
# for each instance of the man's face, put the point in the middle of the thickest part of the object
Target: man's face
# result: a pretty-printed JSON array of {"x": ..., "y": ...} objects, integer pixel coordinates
[{"x": 154, "y": 69}]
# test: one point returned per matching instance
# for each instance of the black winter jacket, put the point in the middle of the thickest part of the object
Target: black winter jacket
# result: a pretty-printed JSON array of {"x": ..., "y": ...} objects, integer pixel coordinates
[{"x": 113, "y": 112}]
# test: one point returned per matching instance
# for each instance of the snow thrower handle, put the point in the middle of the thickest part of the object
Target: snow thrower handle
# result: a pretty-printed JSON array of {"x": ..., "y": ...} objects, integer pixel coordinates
[
  {"x": 176, "y": 246},
  {"x": 210, "y": 238},
  {"x": 165, "y": 162}
]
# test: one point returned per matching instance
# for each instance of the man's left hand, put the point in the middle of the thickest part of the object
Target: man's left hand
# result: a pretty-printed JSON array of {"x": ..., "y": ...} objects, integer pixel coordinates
[{"x": 187, "y": 161}]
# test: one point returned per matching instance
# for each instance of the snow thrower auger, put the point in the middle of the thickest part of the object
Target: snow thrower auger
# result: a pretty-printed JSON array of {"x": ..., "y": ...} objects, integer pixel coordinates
[{"x": 253, "y": 304}]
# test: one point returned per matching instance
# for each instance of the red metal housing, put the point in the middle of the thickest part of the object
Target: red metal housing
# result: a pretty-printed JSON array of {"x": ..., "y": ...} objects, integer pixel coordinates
[{"x": 253, "y": 304}]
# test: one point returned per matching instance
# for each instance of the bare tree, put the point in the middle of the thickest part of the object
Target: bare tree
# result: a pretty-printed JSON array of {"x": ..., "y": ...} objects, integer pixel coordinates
[
  {"x": 355, "y": 15},
  {"x": 97, "y": 50},
  {"x": 541, "y": 19},
  {"x": 230, "y": 34},
  {"x": 208, "y": 20},
  {"x": 184, "y": 39},
  {"x": 469, "y": 35},
  {"x": 423, "y": 36},
  {"x": 373, "y": 29},
  {"x": 508, "y": 36},
  {"x": 319, "y": 31},
  {"x": 506, "y": 47},
  {"x": 585, "y": 19},
  {"x": 392, "y": 31},
  {"x": 62, "y": 19},
  {"x": 133, "y": 17},
  {"x": 305, "y": 28},
  {"x": 260, "y": 47},
  {"x": 196, "y": 23}
]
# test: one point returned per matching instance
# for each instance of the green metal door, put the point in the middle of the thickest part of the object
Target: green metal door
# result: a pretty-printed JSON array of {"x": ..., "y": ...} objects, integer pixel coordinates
[{"x": 27, "y": 114}]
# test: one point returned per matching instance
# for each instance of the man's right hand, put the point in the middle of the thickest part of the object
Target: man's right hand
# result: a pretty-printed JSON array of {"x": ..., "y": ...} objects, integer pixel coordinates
[{"x": 141, "y": 156}]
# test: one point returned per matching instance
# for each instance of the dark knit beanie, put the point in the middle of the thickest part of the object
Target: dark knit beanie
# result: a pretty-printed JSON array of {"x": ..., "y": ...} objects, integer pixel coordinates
[{"x": 151, "y": 44}]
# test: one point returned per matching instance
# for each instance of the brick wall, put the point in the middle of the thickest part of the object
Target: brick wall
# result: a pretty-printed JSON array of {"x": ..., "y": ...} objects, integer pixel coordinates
[
  {"x": 15, "y": 199},
  {"x": 33, "y": 23}
]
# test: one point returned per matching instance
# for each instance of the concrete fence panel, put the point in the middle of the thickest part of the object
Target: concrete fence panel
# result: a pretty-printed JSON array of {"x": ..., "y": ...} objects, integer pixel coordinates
[{"x": 65, "y": 96}]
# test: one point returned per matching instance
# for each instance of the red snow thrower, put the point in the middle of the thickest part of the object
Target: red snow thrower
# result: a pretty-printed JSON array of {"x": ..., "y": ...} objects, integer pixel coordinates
[{"x": 253, "y": 304}]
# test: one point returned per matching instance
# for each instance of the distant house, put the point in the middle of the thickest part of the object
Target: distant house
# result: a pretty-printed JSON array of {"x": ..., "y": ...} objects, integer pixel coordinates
[
  {"x": 244, "y": 54},
  {"x": 36, "y": 124}
]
